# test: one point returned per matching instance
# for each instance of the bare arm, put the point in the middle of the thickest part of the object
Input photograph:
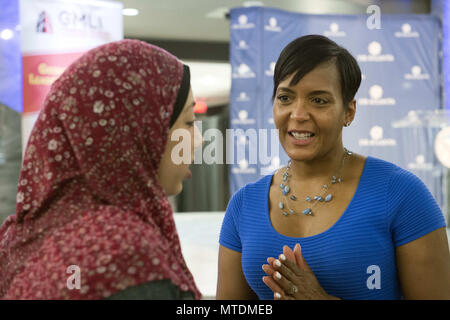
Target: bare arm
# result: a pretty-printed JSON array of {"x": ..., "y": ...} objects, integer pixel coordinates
[
  {"x": 231, "y": 283},
  {"x": 424, "y": 267}
]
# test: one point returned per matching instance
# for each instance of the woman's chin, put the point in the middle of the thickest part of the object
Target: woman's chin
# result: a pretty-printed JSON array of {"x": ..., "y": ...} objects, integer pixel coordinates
[
  {"x": 174, "y": 190},
  {"x": 300, "y": 154}
]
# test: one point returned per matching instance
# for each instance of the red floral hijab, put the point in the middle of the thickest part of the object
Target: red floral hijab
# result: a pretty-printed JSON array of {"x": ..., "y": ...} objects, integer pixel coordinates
[{"x": 88, "y": 193}]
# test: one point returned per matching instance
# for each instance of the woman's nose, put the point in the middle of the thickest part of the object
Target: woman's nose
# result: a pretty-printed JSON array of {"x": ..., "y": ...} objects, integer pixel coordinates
[{"x": 300, "y": 113}]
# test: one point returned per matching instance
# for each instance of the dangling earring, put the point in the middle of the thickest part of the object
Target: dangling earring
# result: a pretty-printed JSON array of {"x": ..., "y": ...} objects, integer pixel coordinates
[{"x": 347, "y": 124}]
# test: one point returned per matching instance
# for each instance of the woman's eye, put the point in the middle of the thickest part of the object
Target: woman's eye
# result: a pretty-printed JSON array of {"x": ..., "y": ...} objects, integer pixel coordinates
[
  {"x": 190, "y": 123},
  {"x": 283, "y": 98},
  {"x": 319, "y": 101}
]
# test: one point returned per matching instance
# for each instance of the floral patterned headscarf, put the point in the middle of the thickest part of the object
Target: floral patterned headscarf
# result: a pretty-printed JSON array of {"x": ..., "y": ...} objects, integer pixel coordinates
[{"x": 88, "y": 194}]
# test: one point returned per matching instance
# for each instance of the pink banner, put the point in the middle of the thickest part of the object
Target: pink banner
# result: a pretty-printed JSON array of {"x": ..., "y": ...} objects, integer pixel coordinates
[{"x": 39, "y": 73}]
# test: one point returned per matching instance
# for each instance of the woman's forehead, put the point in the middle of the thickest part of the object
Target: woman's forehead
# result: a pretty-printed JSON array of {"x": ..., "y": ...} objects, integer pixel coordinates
[{"x": 324, "y": 77}]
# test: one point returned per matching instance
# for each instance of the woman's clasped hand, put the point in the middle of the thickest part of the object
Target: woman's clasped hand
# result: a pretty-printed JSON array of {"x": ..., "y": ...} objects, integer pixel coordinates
[{"x": 290, "y": 277}]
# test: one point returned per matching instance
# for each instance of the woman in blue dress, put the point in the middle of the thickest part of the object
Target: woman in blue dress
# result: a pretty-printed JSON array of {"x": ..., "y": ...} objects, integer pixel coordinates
[{"x": 362, "y": 228}]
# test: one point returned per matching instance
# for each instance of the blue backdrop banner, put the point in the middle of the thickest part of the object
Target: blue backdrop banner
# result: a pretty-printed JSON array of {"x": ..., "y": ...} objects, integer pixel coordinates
[
  {"x": 10, "y": 55},
  {"x": 400, "y": 65}
]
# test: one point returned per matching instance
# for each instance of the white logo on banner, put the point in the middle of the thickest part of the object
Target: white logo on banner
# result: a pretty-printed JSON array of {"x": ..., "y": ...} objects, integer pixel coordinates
[
  {"x": 334, "y": 31},
  {"x": 272, "y": 26},
  {"x": 420, "y": 164},
  {"x": 374, "y": 49},
  {"x": 271, "y": 69},
  {"x": 243, "y": 23},
  {"x": 243, "y": 168},
  {"x": 376, "y": 139},
  {"x": 274, "y": 165},
  {"x": 243, "y": 115},
  {"x": 376, "y": 92},
  {"x": 376, "y": 133},
  {"x": 243, "y": 97},
  {"x": 406, "y": 32},
  {"x": 242, "y": 45},
  {"x": 243, "y": 71},
  {"x": 416, "y": 74},
  {"x": 376, "y": 98},
  {"x": 69, "y": 19}
]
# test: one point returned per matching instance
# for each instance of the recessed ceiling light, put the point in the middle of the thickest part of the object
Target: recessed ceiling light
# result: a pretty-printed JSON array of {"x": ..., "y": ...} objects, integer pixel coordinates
[{"x": 130, "y": 12}]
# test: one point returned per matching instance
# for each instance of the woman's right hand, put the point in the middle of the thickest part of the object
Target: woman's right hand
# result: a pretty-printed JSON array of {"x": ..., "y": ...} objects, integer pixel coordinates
[{"x": 268, "y": 280}]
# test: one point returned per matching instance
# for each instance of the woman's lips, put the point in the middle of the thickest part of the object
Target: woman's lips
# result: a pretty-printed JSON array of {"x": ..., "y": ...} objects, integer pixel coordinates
[
  {"x": 189, "y": 174},
  {"x": 301, "y": 142}
]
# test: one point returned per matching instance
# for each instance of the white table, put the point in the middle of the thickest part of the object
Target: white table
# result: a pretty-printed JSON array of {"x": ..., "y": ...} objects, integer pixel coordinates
[{"x": 199, "y": 236}]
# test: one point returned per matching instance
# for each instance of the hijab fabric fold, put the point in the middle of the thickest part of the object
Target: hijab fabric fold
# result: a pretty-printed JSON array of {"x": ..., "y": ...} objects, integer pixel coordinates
[{"x": 88, "y": 195}]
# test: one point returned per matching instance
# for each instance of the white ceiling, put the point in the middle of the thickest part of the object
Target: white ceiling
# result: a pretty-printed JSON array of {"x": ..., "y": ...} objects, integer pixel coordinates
[{"x": 187, "y": 19}]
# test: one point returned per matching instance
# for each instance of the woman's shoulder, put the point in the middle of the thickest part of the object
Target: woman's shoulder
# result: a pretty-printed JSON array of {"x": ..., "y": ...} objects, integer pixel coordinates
[
  {"x": 380, "y": 164},
  {"x": 251, "y": 193},
  {"x": 396, "y": 177},
  {"x": 387, "y": 169}
]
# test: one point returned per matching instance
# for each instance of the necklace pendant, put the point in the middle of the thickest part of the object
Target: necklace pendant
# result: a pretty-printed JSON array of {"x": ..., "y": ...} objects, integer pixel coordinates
[
  {"x": 280, "y": 205},
  {"x": 293, "y": 197},
  {"x": 307, "y": 211},
  {"x": 328, "y": 198},
  {"x": 308, "y": 199}
]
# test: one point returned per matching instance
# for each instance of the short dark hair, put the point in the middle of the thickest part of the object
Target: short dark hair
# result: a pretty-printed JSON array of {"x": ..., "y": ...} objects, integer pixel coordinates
[{"x": 305, "y": 53}]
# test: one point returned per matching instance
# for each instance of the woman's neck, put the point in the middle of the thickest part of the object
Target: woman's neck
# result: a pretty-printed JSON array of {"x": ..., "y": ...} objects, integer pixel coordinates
[{"x": 326, "y": 166}]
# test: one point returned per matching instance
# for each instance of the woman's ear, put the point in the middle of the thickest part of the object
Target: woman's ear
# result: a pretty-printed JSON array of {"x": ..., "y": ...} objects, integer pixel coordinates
[{"x": 350, "y": 113}]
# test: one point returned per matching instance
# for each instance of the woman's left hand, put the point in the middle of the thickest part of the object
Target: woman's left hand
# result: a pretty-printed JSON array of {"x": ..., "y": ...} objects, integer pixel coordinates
[{"x": 290, "y": 277}]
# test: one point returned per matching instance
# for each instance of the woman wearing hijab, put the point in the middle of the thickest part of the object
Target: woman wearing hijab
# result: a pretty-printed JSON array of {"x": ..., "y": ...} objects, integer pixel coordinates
[{"x": 93, "y": 220}]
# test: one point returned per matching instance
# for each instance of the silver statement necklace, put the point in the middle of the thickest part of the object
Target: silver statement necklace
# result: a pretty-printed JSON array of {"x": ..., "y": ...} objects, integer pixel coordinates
[{"x": 323, "y": 197}]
